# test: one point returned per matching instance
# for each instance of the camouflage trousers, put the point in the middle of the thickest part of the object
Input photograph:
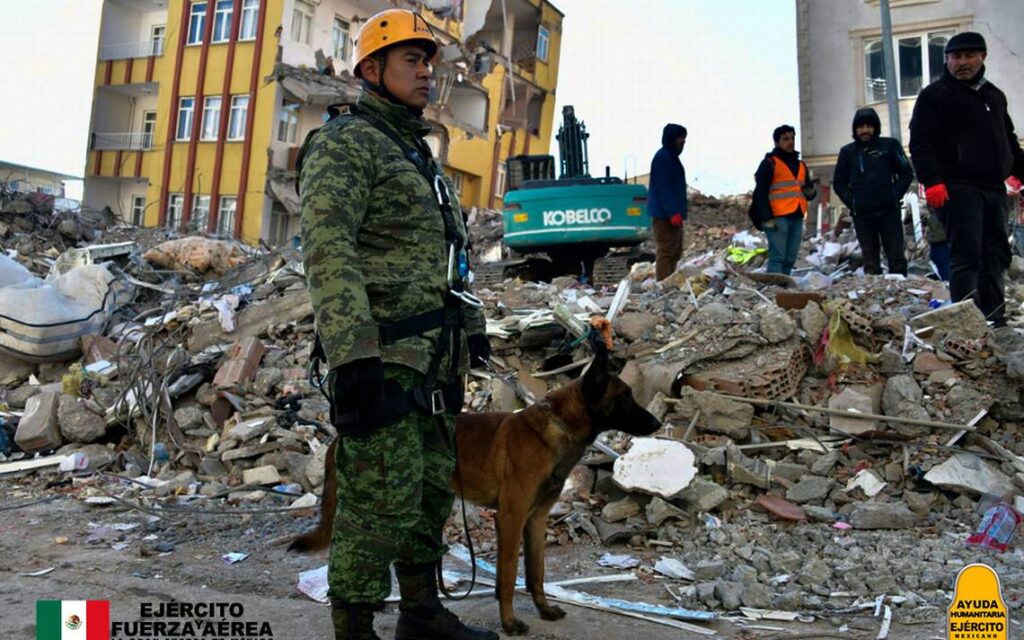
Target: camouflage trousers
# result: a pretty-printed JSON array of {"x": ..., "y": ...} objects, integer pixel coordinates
[{"x": 393, "y": 500}]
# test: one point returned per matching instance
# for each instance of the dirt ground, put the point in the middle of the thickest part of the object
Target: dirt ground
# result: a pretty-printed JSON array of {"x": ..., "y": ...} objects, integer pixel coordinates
[{"x": 32, "y": 538}]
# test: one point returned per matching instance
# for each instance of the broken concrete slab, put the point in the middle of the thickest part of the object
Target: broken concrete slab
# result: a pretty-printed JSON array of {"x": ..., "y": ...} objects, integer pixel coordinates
[
  {"x": 970, "y": 473},
  {"x": 38, "y": 429},
  {"x": 635, "y": 326},
  {"x": 253, "y": 320},
  {"x": 658, "y": 510},
  {"x": 813, "y": 321},
  {"x": 962, "y": 319},
  {"x": 717, "y": 414},
  {"x": 243, "y": 361},
  {"x": 266, "y": 474},
  {"x": 810, "y": 489},
  {"x": 882, "y": 515},
  {"x": 776, "y": 325},
  {"x": 703, "y": 495},
  {"x": 620, "y": 510},
  {"x": 745, "y": 470},
  {"x": 851, "y": 401},
  {"x": 658, "y": 467},
  {"x": 78, "y": 423}
]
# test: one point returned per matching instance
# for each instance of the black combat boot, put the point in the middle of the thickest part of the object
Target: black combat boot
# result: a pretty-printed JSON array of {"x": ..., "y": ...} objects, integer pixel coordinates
[
  {"x": 421, "y": 615},
  {"x": 353, "y": 621}
]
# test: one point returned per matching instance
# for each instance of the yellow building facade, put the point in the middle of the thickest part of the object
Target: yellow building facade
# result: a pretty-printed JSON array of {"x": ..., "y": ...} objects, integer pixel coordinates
[{"x": 200, "y": 105}]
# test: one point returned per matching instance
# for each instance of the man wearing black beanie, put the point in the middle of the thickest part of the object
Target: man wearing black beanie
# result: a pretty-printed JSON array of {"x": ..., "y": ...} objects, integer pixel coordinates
[{"x": 963, "y": 147}]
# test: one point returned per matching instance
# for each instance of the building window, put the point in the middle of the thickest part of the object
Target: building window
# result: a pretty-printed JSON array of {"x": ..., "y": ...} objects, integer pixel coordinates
[
  {"x": 148, "y": 128},
  {"x": 236, "y": 123},
  {"x": 302, "y": 21},
  {"x": 226, "y": 216},
  {"x": 211, "y": 118},
  {"x": 174, "y": 210},
  {"x": 186, "y": 106},
  {"x": 250, "y": 15},
  {"x": 456, "y": 177},
  {"x": 341, "y": 28},
  {"x": 919, "y": 61},
  {"x": 200, "y": 213},
  {"x": 543, "y": 38},
  {"x": 288, "y": 127},
  {"x": 196, "y": 22},
  {"x": 222, "y": 20},
  {"x": 138, "y": 210},
  {"x": 499, "y": 181},
  {"x": 156, "y": 39}
]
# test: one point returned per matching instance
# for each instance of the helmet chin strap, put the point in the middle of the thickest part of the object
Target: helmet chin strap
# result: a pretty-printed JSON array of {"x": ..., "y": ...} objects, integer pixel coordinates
[{"x": 381, "y": 89}]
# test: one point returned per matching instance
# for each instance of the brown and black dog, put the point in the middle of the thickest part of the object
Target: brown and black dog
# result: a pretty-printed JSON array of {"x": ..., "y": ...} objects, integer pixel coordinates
[{"x": 518, "y": 463}]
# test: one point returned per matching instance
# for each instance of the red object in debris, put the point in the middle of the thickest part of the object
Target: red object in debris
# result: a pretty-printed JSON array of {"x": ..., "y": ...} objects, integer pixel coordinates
[
  {"x": 797, "y": 299},
  {"x": 781, "y": 508}
]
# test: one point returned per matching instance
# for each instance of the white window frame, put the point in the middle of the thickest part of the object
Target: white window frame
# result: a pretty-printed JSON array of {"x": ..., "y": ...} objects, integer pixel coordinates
[
  {"x": 499, "y": 181},
  {"x": 288, "y": 123},
  {"x": 148, "y": 129},
  {"x": 185, "y": 117},
  {"x": 223, "y": 13},
  {"x": 157, "y": 39},
  {"x": 456, "y": 177},
  {"x": 543, "y": 43},
  {"x": 197, "y": 22},
  {"x": 239, "y": 115},
  {"x": 174, "y": 210},
  {"x": 341, "y": 28},
  {"x": 250, "y": 19},
  {"x": 302, "y": 22},
  {"x": 200, "y": 216},
  {"x": 211, "y": 118},
  {"x": 923, "y": 38},
  {"x": 138, "y": 210},
  {"x": 226, "y": 223}
]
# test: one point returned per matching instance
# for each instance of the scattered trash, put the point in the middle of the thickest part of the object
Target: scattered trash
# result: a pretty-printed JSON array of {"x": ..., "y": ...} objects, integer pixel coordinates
[
  {"x": 618, "y": 561},
  {"x": 997, "y": 528},
  {"x": 234, "y": 557}
]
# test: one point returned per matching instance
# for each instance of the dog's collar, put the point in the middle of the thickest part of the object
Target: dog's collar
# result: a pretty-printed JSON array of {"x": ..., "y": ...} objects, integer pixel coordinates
[{"x": 557, "y": 420}]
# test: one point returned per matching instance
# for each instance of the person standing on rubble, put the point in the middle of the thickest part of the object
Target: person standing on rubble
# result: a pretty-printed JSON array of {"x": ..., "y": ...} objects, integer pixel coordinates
[
  {"x": 964, "y": 147},
  {"x": 384, "y": 244},
  {"x": 666, "y": 200},
  {"x": 783, "y": 188},
  {"x": 872, "y": 175}
]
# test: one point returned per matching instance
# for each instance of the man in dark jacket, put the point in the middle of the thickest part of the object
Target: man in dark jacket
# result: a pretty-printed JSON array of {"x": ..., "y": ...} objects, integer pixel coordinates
[
  {"x": 666, "y": 200},
  {"x": 872, "y": 174},
  {"x": 782, "y": 191},
  {"x": 963, "y": 147}
]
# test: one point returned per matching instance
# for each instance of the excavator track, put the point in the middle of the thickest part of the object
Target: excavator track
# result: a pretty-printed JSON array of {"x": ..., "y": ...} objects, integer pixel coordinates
[{"x": 610, "y": 270}]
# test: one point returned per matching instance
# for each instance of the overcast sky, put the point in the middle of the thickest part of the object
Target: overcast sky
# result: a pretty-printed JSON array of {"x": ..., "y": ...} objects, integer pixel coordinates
[{"x": 724, "y": 69}]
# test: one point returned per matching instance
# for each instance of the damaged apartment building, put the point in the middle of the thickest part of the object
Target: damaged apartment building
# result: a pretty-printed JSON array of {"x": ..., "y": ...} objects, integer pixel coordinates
[{"x": 200, "y": 105}]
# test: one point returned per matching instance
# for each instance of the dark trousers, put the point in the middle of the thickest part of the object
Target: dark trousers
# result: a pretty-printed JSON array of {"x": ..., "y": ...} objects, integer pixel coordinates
[
  {"x": 881, "y": 230},
  {"x": 979, "y": 251},
  {"x": 668, "y": 241}
]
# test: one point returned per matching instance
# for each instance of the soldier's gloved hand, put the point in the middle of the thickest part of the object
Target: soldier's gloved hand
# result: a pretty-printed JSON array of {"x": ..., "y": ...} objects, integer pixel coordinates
[
  {"x": 359, "y": 406},
  {"x": 936, "y": 195},
  {"x": 479, "y": 350}
]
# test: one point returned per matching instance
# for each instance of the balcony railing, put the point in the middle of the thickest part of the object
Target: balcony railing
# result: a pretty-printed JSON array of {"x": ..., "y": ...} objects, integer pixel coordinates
[
  {"x": 125, "y": 50},
  {"x": 131, "y": 141}
]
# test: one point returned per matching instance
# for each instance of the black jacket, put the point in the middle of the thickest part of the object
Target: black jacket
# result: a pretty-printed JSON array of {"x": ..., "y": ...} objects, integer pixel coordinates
[
  {"x": 961, "y": 133},
  {"x": 871, "y": 177},
  {"x": 760, "y": 210}
]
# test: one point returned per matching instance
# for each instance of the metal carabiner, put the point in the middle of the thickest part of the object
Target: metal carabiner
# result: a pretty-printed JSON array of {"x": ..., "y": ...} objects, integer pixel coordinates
[
  {"x": 441, "y": 191},
  {"x": 464, "y": 296}
]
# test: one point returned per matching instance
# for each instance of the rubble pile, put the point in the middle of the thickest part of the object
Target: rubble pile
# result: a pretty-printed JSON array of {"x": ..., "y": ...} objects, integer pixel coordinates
[{"x": 809, "y": 421}]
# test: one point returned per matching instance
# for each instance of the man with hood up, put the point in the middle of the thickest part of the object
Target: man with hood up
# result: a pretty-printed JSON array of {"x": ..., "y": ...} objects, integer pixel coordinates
[
  {"x": 783, "y": 187},
  {"x": 871, "y": 176},
  {"x": 964, "y": 147},
  {"x": 666, "y": 200}
]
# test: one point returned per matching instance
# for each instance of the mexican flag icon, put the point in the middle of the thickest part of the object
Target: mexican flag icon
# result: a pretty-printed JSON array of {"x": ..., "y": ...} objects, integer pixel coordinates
[{"x": 72, "y": 619}]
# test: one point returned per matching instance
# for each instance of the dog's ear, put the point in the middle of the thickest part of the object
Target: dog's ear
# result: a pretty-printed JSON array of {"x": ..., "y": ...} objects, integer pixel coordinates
[{"x": 595, "y": 380}]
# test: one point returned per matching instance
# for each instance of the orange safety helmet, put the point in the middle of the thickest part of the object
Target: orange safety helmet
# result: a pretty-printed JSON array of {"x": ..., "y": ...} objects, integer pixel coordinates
[{"x": 392, "y": 27}]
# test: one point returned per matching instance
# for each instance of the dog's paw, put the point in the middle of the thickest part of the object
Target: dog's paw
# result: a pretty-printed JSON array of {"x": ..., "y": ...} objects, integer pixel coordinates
[
  {"x": 516, "y": 628},
  {"x": 552, "y": 612}
]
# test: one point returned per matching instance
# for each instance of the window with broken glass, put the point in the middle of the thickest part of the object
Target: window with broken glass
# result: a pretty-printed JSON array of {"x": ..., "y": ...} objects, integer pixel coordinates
[
  {"x": 174, "y": 209},
  {"x": 236, "y": 123},
  {"x": 222, "y": 20},
  {"x": 288, "y": 125},
  {"x": 226, "y": 216},
  {"x": 250, "y": 15},
  {"x": 196, "y": 22},
  {"x": 302, "y": 22},
  {"x": 211, "y": 117},
  {"x": 543, "y": 38},
  {"x": 341, "y": 39},
  {"x": 919, "y": 61},
  {"x": 200, "y": 213},
  {"x": 186, "y": 107}
]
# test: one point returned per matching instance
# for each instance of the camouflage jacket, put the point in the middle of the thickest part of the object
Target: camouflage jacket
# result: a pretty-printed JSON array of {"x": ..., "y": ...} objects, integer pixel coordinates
[{"x": 373, "y": 238}]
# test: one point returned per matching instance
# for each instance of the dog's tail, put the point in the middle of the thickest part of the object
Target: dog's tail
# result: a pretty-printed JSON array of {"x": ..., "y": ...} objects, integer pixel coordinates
[{"x": 320, "y": 537}]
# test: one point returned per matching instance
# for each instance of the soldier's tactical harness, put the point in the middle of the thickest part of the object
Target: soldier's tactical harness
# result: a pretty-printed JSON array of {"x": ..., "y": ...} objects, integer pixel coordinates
[{"x": 429, "y": 398}]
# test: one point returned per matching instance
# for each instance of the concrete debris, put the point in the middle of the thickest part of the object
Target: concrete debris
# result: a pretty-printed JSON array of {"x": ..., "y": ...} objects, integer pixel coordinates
[
  {"x": 717, "y": 414},
  {"x": 879, "y": 515},
  {"x": 657, "y": 467},
  {"x": 970, "y": 473},
  {"x": 854, "y": 402}
]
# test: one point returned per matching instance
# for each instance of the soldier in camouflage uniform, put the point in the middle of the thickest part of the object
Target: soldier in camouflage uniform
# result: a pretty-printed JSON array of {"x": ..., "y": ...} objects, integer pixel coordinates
[{"x": 376, "y": 246}]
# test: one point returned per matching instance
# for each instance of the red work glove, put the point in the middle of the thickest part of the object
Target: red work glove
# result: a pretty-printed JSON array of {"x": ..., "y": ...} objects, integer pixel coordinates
[
  {"x": 676, "y": 220},
  {"x": 936, "y": 195},
  {"x": 1014, "y": 183}
]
